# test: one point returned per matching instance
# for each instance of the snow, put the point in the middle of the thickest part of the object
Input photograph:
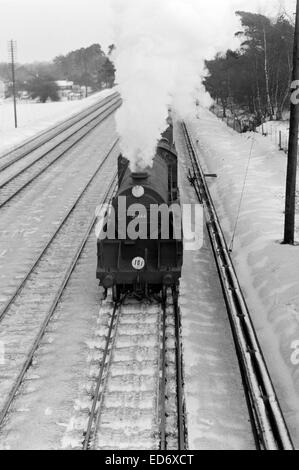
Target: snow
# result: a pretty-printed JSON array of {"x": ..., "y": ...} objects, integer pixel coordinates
[
  {"x": 268, "y": 271},
  {"x": 217, "y": 416},
  {"x": 276, "y": 132},
  {"x": 52, "y": 409},
  {"x": 128, "y": 400},
  {"x": 38, "y": 212},
  {"x": 40, "y": 414},
  {"x": 34, "y": 118}
]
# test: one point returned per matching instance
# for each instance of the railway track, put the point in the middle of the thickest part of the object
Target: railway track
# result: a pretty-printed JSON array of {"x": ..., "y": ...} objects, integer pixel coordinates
[
  {"x": 268, "y": 424},
  {"x": 66, "y": 220},
  {"x": 27, "y": 314},
  {"x": 137, "y": 396},
  {"x": 17, "y": 153},
  {"x": 24, "y": 168}
]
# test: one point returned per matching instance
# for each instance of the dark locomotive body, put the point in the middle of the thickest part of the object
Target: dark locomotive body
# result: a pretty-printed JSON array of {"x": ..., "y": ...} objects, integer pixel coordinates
[{"x": 143, "y": 266}]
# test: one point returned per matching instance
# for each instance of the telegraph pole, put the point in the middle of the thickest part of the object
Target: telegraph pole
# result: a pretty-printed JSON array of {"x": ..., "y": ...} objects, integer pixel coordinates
[
  {"x": 290, "y": 203},
  {"x": 12, "y": 57}
]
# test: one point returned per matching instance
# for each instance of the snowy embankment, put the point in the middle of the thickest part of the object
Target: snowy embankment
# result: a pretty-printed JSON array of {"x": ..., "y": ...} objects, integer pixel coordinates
[
  {"x": 216, "y": 411},
  {"x": 276, "y": 132},
  {"x": 268, "y": 271},
  {"x": 34, "y": 118}
]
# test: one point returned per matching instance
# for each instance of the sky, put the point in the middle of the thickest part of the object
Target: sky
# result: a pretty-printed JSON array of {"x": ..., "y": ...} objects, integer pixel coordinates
[{"x": 44, "y": 29}]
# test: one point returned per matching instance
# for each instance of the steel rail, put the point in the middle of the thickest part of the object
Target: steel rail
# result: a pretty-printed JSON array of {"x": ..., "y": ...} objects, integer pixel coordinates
[
  {"x": 103, "y": 115},
  {"x": 181, "y": 429},
  {"x": 52, "y": 309},
  {"x": 179, "y": 372},
  {"x": 269, "y": 424},
  {"x": 49, "y": 134},
  {"x": 94, "y": 411},
  {"x": 5, "y": 308},
  {"x": 163, "y": 444}
]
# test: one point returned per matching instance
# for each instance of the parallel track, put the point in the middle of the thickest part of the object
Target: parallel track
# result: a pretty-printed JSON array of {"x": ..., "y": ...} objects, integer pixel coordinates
[
  {"x": 59, "y": 292},
  {"x": 269, "y": 427},
  {"x": 9, "y": 158},
  {"x": 25, "y": 176},
  {"x": 5, "y": 308}
]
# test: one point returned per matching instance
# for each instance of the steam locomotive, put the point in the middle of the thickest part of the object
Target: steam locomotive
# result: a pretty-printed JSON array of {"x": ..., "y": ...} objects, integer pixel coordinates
[{"x": 145, "y": 263}]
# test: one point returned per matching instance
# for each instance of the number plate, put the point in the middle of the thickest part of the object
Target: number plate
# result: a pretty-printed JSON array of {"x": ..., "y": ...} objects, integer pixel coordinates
[
  {"x": 138, "y": 191},
  {"x": 138, "y": 263}
]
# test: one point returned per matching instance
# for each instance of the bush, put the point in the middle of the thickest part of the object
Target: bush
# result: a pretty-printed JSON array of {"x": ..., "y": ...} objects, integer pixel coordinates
[{"x": 43, "y": 88}]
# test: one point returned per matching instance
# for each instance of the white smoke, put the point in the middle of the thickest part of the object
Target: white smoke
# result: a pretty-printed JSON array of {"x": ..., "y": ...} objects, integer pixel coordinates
[{"x": 161, "y": 46}]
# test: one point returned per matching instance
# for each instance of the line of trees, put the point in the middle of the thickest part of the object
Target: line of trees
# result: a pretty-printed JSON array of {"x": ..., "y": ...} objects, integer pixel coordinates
[
  {"x": 89, "y": 67},
  {"x": 256, "y": 77}
]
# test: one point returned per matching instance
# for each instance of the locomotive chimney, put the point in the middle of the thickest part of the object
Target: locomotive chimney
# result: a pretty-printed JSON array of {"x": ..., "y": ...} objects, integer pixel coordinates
[{"x": 139, "y": 175}]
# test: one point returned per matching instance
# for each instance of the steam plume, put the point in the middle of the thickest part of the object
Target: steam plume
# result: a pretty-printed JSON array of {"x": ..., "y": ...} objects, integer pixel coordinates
[{"x": 160, "y": 50}]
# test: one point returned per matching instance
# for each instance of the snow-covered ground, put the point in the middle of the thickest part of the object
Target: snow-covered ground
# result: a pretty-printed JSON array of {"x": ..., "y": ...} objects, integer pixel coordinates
[
  {"x": 34, "y": 118},
  {"x": 217, "y": 415},
  {"x": 268, "y": 270},
  {"x": 276, "y": 132},
  {"x": 272, "y": 127},
  {"x": 39, "y": 419}
]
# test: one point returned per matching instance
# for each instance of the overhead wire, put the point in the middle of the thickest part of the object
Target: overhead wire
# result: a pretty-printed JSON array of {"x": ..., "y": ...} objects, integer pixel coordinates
[{"x": 231, "y": 246}]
